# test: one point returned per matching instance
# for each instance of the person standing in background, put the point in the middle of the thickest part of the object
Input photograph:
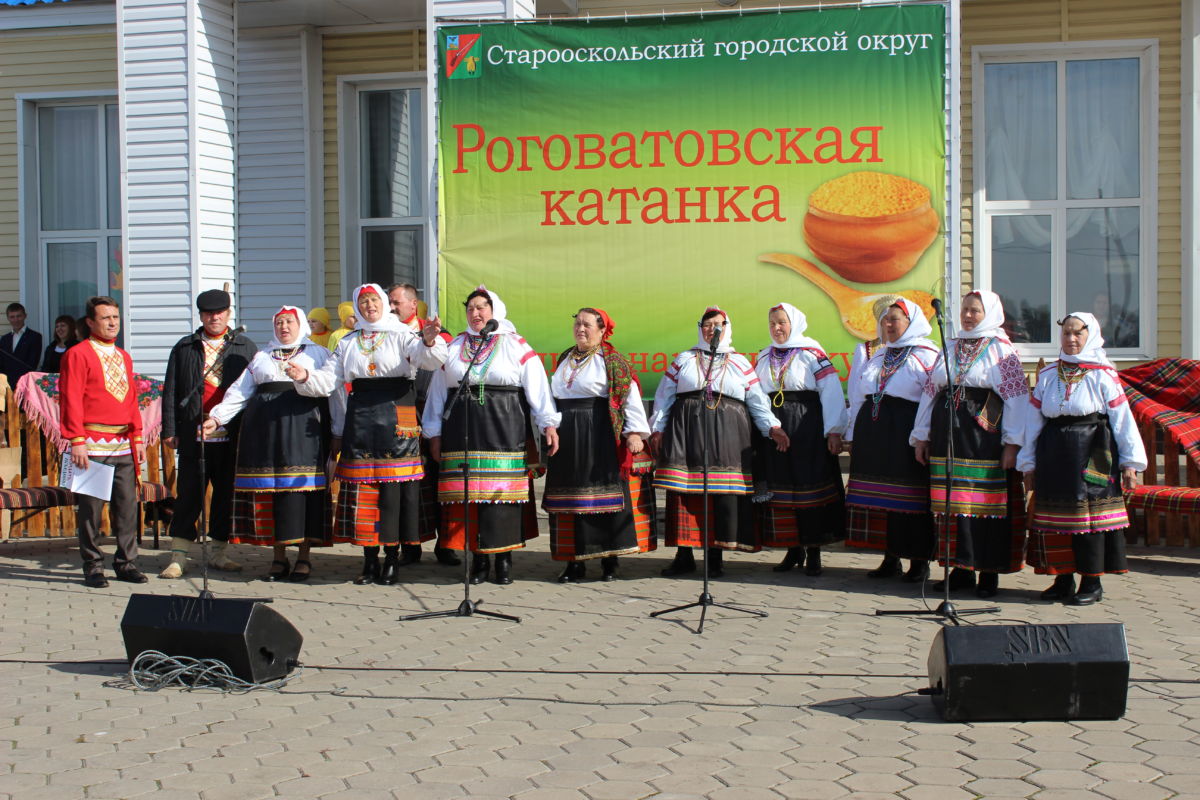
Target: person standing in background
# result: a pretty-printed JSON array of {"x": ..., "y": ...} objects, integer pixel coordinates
[{"x": 20, "y": 349}]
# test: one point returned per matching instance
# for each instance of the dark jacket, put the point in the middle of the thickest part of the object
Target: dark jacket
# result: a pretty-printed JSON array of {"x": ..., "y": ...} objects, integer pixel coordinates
[
  {"x": 29, "y": 351},
  {"x": 52, "y": 359},
  {"x": 185, "y": 366}
]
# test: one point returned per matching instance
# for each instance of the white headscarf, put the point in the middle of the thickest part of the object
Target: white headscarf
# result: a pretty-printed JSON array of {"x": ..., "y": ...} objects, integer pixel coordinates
[
  {"x": 799, "y": 325},
  {"x": 302, "y": 334},
  {"x": 991, "y": 326},
  {"x": 1093, "y": 349},
  {"x": 726, "y": 343},
  {"x": 388, "y": 322},
  {"x": 499, "y": 312},
  {"x": 918, "y": 327}
]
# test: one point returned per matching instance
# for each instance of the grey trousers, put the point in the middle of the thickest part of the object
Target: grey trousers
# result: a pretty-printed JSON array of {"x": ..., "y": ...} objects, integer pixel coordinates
[{"x": 122, "y": 515}]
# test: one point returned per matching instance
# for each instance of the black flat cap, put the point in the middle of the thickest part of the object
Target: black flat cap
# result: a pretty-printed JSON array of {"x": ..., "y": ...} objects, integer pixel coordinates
[{"x": 212, "y": 300}]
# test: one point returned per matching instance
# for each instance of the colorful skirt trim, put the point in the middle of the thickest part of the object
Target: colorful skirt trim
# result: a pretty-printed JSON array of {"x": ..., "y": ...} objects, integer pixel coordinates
[
  {"x": 499, "y": 435},
  {"x": 581, "y": 537},
  {"x": 730, "y": 451},
  {"x": 884, "y": 471},
  {"x": 379, "y": 441},
  {"x": 584, "y": 476},
  {"x": 284, "y": 441},
  {"x": 357, "y": 516},
  {"x": 1067, "y": 496},
  {"x": 268, "y": 519}
]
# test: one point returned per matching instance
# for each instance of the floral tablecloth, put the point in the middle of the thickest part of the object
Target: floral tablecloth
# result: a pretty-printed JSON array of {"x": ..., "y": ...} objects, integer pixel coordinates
[{"x": 37, "y": 395}]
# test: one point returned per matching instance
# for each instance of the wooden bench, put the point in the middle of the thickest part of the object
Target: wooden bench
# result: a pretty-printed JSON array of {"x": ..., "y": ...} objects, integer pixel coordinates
[{"x": 1165, "y": 509}]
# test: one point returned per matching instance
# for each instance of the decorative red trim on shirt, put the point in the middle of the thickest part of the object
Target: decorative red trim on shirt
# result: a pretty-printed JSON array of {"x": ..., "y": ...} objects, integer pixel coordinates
[
  {"x": 528, "y": 355},
  {"x": 1037, "y": 403},
  {"x": 1118, "y": 400}
]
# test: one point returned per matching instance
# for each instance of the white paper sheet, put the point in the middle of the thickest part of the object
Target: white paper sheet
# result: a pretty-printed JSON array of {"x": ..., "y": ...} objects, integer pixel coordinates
[{"x": 95, "y": 481}]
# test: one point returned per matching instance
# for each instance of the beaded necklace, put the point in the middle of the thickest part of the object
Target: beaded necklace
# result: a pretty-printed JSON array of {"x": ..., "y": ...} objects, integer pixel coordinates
[
  {"x": 778, "y": 362},
  {"x": 368, "y": 343},
  {"x": 893, "y": 359},
  {"x": 283, "y": 356},
  {"x": 576, "y": 362},
  {"x": 708, "y": 384},
  {"x": 1069, "y": 375},
  {"x": 967, "y": 353},
  {"x": 476, "y": 347}
]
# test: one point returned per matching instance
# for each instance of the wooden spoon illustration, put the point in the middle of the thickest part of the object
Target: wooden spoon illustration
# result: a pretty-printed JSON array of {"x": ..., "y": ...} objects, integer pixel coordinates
[{"x": 853, "y": 305}]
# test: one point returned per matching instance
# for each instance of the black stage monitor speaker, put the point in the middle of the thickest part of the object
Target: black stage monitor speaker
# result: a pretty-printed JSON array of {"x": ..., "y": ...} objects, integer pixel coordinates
[
  {"x": 254, "y": 639},
  {"x": 1026, "y": 672}
]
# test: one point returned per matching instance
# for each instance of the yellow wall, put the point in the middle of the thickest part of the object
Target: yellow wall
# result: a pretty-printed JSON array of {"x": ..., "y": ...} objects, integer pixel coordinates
[
  {"x": 354, "y": 54},
  {"x": 992, "y": 22},
  {"x": 41, "y": 63}
]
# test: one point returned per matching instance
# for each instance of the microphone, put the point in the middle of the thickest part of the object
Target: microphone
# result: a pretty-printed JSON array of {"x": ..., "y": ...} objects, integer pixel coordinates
[
  {"x": 937, "y": 306},
  {"x": 717, "y": 333},
  {"x": 489, "y": 328}
]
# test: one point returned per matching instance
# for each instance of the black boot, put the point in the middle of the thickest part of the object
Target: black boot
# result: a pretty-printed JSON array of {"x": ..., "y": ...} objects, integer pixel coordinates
[
  {"x": 812, "y": 562},
  {"x": 370, "y": 572},
  {"x": 608, "y": 565},
  {"x": 480, "y": 565},
  {"x": 794, "y": 557},
  {"x": 390, "y": 574},
  {"x": 1062, "y": 589},
  {"x": 959, "y": 579},
  {"x": 1090, "y": 591},
  {"x": 684, "y": 563},
  {"x": 918, "y": 570},
  {"x": 890, "y": 568},
  {"x": 503, "y": 574},
  {"x": 716, "y": 562},
  {"x": 409, "y": 554},
  {"x": 445, "y": 556},
  {"x": 989, "y": 585},
  {"x": 573, "y": 573}
]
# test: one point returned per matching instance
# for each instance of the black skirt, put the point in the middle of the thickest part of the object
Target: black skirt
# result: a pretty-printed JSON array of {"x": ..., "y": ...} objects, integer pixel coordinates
[
  {"x": 987, "y": 526},
  {"x": 284, "y": 441},
  {"x": 725, "y": 425},
  {"x": 806, "y": 505},
  {"x": 381, "y": 439},
  {"x": 886, "y": 476}
]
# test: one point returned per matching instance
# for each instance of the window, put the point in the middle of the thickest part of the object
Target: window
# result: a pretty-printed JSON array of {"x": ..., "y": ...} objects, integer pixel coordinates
[
  {"x": 78, "y": 204},
  {"x": 387, "y": 229},
  {"x": 1065, "y": 187}
]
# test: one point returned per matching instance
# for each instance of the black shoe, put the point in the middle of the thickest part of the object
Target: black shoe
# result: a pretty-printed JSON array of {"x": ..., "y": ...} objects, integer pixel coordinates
[
  {"x": 609, "y": 566},
  {"x": 445, "y": 556},
  {"x": 573, "y": 573},
  {"x": 918, "y": 570},
  {"x": 959, "y": 579},
  {"x": 989, "y": 585},
  {"x": 276, "y": 575},
  {"x": 503, "y": 572},
  {"x": 370, "y": 573},
  {"x": 1090, "y": 592},
  {"x": 684, "y": 563},
  {"x": 1062, "y": 589},
  {"x": 480, "y": 566},
  {"x": 298, "y": 575},
  {"x": 389, "y": 575},
  {"x": 890, "y": 568},
  {"x": 793, "y": 558},
  {"x": 131, "y": 574},
  {"x": 409, "y": 554},
  {"x": 812, "y": 562},
  {"x": 716, "y": 562},
  {"x": 95, "y": 580}
]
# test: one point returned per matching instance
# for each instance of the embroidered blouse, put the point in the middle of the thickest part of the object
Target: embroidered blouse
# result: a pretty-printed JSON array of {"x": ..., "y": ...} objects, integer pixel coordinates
[
  {"x": 908, "y": 382},
  {"x": 507, "y": 360},
  {"x": 997, "y": 367},
  {"x": 732, "y": 376},
  {"x": 592, "y": 381},
  {"x": 808, "y": 371},
  {"x": 264, "y": 368},
  {"x": 1099, "y": 391},
  {"x": 389, "y": 354}
]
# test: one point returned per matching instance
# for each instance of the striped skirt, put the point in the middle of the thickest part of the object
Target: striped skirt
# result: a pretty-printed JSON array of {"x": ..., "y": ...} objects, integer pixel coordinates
[{"x": 381, "y": 440}]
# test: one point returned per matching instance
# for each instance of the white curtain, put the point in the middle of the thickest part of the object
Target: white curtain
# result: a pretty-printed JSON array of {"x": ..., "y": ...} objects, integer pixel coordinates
[{"x": 69, "y": 166}]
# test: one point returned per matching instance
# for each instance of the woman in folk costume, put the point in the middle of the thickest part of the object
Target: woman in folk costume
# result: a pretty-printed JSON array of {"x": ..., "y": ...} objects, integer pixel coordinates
[
  {"x": 990, "y": 402},
  {"x": 806, "y": 508},
  {"x": 885, "y": 475},
  {"x": 1082, "y": 448},
  {"x": 375, "y": 430},
  {"x": 709, "y": 398},
  {"x": 598, "y": 490},
  {"x": 281, "y": 495},
  {"x": 866, "y": 528},
  {"x": 505, "y": 385}
]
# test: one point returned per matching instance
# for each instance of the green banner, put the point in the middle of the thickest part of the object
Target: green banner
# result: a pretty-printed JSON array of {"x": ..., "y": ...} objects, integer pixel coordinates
[{"x": 654, "y": 167}]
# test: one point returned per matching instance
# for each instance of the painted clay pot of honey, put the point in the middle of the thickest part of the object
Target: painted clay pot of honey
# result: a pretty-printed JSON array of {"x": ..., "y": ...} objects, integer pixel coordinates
[{"x": 870, "y": 227}]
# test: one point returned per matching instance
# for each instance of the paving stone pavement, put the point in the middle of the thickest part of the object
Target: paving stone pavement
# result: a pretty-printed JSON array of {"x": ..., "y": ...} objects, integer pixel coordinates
[{"x": 587, "y": 698}]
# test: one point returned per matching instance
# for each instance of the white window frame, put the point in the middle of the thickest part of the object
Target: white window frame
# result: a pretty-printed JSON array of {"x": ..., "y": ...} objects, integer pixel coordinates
[
  {"x": 349, "y": 90},
  {"x": 32, "y": 241},
  {"x": 1146, "y": 51}
]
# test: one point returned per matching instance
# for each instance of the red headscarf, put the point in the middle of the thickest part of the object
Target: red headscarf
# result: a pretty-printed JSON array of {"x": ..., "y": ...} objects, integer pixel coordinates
[{"x": 609, "y": 325}]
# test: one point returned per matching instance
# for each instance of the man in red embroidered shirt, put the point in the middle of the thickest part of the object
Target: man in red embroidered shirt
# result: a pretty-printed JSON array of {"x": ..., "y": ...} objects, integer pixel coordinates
[{"x": 100, "y": 419}]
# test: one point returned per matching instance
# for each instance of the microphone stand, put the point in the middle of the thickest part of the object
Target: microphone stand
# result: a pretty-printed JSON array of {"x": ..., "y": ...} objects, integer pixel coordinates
[
  {"x": 468, "y": 607},
  {"x": 202, "y": 526},
  {"x": 706, "y": 599},
  {"x": 946, "y": 609}
]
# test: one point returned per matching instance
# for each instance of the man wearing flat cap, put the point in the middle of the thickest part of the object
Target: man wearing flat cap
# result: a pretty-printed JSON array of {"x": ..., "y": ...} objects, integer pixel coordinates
[{"x": 202, "y": 365}]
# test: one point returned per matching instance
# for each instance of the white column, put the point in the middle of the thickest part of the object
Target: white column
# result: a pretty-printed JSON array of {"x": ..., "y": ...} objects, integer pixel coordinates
[
  {"x": 177, "y": 81},
  {"x": 1190, "y": 177}
]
